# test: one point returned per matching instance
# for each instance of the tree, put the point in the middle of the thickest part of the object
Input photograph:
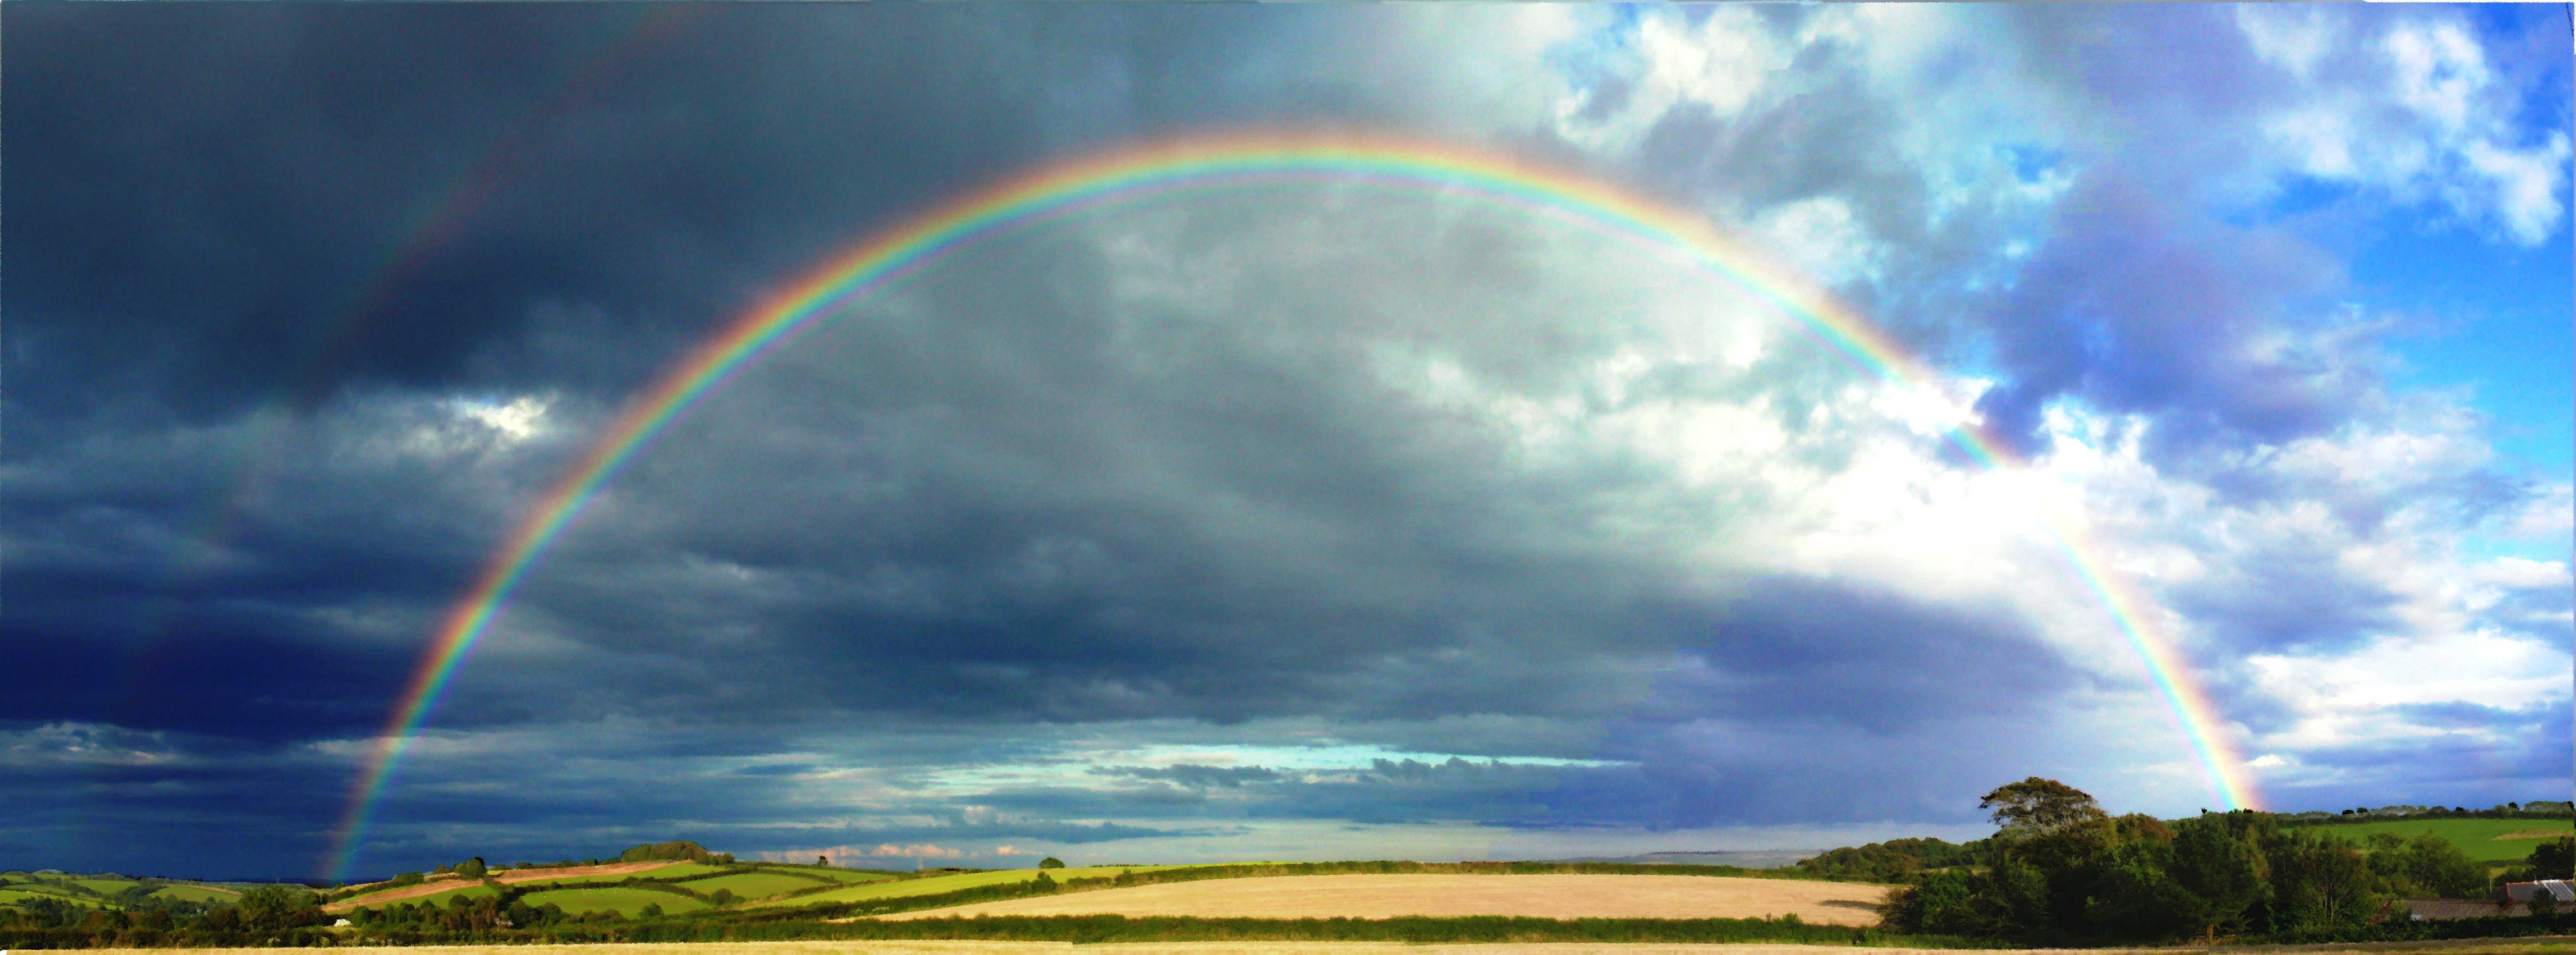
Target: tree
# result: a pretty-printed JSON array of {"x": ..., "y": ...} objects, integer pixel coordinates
[
  {"x": 2554, "y": 859},
  {"x": 1050, "y": 862},
  {"x": 651, "y": 910},
  {"x": 408, "y": 878},
  {"x": 2037, "y": 806},
  {"x": 825, "y": 861},
  {"x": 471, "y": 868},
  {"x": 2215, "y": 860},
  {"x": 271, "y": 907}
]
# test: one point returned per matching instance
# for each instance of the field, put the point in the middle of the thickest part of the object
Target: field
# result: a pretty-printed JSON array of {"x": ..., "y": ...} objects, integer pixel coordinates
[
  {"x": 755, "y": 885},
  {"x": 196, "y": 893},
  {"x": 1389, "y": 896},
  {"x": 841, "y": 875},
  {"x": 625, "y": 902},
  {"x": 951, "y": 883},
  {"x": 104, "y": 886},
  {"x": 2479, "y": 837},
  {"x": 2503, "y": 947}
]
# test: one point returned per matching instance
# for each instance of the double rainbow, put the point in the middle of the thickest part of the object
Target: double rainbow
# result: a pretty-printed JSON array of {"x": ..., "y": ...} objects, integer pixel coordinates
[{"x": 1208, "y": 163}]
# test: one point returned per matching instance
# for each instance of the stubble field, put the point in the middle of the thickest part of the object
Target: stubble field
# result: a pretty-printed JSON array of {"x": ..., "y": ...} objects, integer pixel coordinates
[{"x": 1390, "y": 896}]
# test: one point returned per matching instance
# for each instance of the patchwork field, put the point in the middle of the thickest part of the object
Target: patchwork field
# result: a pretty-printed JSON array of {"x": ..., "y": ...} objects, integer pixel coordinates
[
  {"x": 2486, "y": 840},
  {"x": 626, "y": 902},
  {"x": 843, "y": 875},
  {"x": 1389, "y": 896},
  {"x": 756, "y": 885},
  {"x": 2475, "y": 947},
  {"x": 934, "y": 885},
  {"x": 196, "y": 893}
]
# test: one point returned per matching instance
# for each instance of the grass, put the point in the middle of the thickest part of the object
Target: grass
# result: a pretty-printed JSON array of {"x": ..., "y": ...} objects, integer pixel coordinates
[
  {"x": 624, "y": 901},
  {"x": 682, "y": 871},
  {"x": 104, "y": 886},
  {"x": 841, "y": 875},
  {"x": 471, "y": 890},
  {"x": 937, "y": 885},
  {"x": 196, "y": 893},
  {"x": 9, "y": 896},
  {"x": 754, "y": 885},
  {"x": 2475, "y": 836}
]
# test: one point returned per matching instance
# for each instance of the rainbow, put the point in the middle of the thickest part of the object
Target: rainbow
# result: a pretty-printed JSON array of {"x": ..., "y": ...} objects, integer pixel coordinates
[{"x": 1206, "y": 163}]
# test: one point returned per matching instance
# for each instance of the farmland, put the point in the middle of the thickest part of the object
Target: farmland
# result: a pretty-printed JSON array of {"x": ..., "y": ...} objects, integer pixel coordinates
[
  {"x": 623, "y": 901},
  {"x": 756, "y": 885},
  {"x": 1389, "y": 896},
  {"x": 937, "y": 885},
  {"x": 935, "y": 947},
  {"x": 2492, "y": 841}
]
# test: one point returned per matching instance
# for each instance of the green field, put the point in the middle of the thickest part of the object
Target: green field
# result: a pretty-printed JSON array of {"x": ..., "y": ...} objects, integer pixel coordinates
[
  {"x": 11, "y": 895},
  {"x": 2476, "y": 836},
  {"x": 684, "y": 870},
  {"x": 104, "y": 886},
  {"x": 836, "y": 875},
  {"x": 755, "y": 885},
  {"x": 196, "y": 893},
  {"x": 471, "y": 890},
  {"x": 951, "y": 883},
  {"x": 624, "y": 901}
]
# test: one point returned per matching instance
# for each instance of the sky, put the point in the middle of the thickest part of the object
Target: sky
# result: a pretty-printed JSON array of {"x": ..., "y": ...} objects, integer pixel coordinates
[{"x": 1309, "y": 521}]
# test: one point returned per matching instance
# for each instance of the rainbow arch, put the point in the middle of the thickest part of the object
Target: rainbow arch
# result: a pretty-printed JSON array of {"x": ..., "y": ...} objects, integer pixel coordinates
[{"x": 1211, "y": 162}]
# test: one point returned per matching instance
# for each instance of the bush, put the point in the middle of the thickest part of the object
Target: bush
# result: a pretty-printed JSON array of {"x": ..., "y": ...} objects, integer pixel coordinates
[{"x": 1050, "y": 862}]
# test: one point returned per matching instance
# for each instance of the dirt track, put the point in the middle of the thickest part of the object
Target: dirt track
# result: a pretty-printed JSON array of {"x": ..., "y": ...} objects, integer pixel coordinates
[{"x": 1388, "y": 896}]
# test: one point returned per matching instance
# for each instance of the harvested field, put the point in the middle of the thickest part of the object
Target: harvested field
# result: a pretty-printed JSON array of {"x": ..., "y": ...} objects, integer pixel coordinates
[
  {"x": 659, "y": 867},
  {"x": 1388, "y": 896},
  {"x": 2552, "y": 946}
]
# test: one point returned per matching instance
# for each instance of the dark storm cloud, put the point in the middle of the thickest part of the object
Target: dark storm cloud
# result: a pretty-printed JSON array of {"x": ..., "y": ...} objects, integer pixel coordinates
[{"x": 219, "y": 192}]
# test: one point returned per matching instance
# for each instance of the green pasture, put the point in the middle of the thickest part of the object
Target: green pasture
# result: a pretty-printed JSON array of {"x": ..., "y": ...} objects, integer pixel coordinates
[
  {"x": 470, "y": 890},
  {"x": 681, "y": 871},
  {"x": 196, "y": 893},
  {"x": 935, "y": 885},
  {"x": 2478, "y": 837},
  {"x": 624, "y": 901},
  {"x": 836, "y": 875},
  {"x": 14, "y": 895},
  {"x": 755, "y": 885},
  {"x": 104, "y": 886}
]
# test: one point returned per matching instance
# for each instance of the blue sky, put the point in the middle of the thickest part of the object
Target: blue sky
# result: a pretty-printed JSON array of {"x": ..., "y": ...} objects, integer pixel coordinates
[{"x": 1293, "y": 523}]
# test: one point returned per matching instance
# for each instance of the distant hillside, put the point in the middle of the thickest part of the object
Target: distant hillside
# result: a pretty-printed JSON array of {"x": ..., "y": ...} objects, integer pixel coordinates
[
  {"x": 681, "y": 850},
  {"x": 1742, "y": 859}
]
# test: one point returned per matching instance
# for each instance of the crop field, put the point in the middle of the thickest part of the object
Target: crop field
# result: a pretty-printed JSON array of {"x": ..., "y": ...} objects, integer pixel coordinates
[
  {"x": 1390, "y": 896},
  {"x": 8, "y": 896},
  {"x": 623, "y": 901},
  {"x": 2486, "y": 840},
  {"x": 756, "y": 885},
  {"x": 2481, "y": 947},
  {"x": 935, "y": 885},
  {"x": 842, "y": 875},
  {"x": 196, "y": 893}
]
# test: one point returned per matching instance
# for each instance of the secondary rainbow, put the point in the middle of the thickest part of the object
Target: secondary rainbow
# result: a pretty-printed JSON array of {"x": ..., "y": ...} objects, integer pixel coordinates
[{"x": 1211, "y": 163}]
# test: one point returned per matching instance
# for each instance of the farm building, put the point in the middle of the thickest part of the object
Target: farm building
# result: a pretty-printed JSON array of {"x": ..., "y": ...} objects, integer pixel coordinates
[
  {"x": 2558, "y": 890},
  {"x": 2436, "y": 910}
]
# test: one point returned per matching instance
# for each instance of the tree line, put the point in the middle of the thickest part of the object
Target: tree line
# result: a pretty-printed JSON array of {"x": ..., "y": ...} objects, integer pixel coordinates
[{"x": 2061, "y": 870}]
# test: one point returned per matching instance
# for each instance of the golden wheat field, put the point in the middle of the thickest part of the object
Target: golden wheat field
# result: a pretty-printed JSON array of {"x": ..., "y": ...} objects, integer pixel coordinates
[
  {"x": 2556, "y": 946},
  {"x": 1388, "y": 896}
]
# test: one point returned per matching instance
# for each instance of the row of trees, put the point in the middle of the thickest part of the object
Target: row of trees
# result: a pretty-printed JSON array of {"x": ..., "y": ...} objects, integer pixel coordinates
[{"x": 2062, "y": 869}]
